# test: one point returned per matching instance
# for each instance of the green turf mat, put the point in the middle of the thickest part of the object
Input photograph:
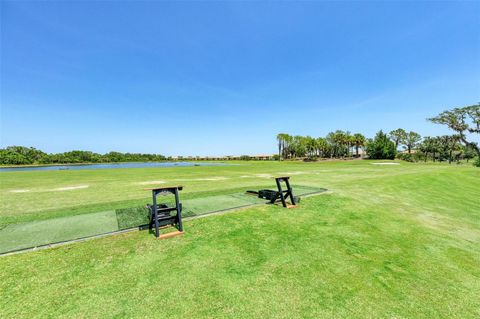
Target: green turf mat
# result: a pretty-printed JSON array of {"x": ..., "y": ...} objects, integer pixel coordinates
[
  {"x": 212, "y": 204},
  {"x": 206, "y": 205},
  {"x": 32, "y": 234},
  {"x": 38, "y": 233},
  {"x": 132, "y": 217}
]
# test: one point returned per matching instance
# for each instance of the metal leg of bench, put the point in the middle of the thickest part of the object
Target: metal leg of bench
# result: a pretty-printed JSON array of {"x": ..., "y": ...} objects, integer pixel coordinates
[
  {"x": 280, "y": 191},
  {"x": 290, "y": 192},
  {"x": 179, "y": 211},
  {"x": 155, "y": 215}
]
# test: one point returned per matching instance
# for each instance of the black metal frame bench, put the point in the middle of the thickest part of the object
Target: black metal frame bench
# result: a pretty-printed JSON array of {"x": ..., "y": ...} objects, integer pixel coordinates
[
  {"x": 279, "y": 194},
  {"x": 160, "y": 214}
]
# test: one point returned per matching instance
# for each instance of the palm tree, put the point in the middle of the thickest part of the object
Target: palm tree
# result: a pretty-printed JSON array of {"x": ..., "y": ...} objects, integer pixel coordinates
[
  {"x": 310, "y": 145},
  {"x": 280, "y": 141},
  {"x": 347, "y": 142},
  {"x": 331, "y": 140},
  {"x": 342, "y": 142},
  {"x": 322, "y": 146},
  {"x": 430, "y": 145},
  {"x": 337, "y": 142},
  {"x": 287, "y": 145},
  {"x": 299, "y": 146},
  {"x": 358, "y": 141}
]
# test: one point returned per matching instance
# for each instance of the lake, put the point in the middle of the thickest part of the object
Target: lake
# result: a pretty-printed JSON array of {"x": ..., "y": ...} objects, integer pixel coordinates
[{"x": 107, "y": 166}]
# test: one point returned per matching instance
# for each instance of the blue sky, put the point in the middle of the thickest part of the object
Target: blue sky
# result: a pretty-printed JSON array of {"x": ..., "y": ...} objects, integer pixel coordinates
[{"x": 220, "y": 78}]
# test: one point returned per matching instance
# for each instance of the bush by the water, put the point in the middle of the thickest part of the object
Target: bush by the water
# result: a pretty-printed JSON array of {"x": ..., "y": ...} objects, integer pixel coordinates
[
  {"x": 412, "y": 157},
  {"x": 20, "y": 155},
  {"x": 381, "y": 147},
  {"x": 477, "y": 162}
]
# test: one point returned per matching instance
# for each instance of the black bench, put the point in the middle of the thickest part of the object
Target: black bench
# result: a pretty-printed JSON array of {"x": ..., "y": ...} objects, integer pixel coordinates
[
  {"x": 280, "y": 194},
  {"x": 161, "y": 214}
]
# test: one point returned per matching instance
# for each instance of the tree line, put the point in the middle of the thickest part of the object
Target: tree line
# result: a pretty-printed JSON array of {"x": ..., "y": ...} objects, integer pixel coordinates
[
  {"x": 338, "y": 144},
  {"x": 20, "y": 155},
  {"x": 464, "y": 121}
]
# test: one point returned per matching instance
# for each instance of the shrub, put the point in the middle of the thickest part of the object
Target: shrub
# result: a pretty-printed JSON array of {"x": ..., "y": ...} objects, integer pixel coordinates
[
  {"x": 412, "y": 157},
  {"x": 406, "y": 157},
  {"x": 477, "y": 162},
  {"x": 381, "y": 147}
]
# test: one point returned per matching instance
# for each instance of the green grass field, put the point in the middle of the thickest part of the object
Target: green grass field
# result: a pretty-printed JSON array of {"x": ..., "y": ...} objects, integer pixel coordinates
[{"x": 396, "y": 241}]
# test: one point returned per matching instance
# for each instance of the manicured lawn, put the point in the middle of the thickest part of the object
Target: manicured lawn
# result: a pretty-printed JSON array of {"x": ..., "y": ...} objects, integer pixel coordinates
[{"x": 386, "y": 242}]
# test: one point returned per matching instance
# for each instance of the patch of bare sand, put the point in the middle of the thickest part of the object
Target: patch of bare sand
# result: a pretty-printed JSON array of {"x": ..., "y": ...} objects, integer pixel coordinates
[
  {"x": 264, "y": 175},
  {"x": 292, "y": 173},
  {"x": 68, "y": 188},
  {"x": 151, "y": 182},
  {"x": 214, "y": 178}
]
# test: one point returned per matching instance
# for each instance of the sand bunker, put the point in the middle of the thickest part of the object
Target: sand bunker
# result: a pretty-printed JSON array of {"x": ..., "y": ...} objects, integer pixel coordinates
[
  {"x": 388, "y": 163},
  {"x": 264, "y": 175},
  {"x": 218, "y": 178},
  {"x": 151, "y": 182},
  {"x": 69, "y": 188},
  {"x": 19, "y": 191},
  {"x": 291, "y": 173}
]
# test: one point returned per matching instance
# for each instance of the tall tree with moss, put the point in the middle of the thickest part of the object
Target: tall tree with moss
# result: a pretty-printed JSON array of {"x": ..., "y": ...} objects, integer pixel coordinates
[
  {"x": 448, "y": 145},
  {"x": 397, "y": 136},
  {"x": 465, "y": 121},
  {"x": 411, "y": 140}
]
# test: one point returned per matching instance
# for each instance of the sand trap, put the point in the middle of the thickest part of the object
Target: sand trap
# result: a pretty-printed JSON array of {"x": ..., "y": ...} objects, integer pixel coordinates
[
  {"x": 291, "y": 173},
  {"x": 69, "y": 188},
  {"x": 264, "y": 175},
  {"x": 385, "y": 163},
  {"x": 19, "y": 191},
  {"x": 151, "y": 182},
  {"x": 219, "y": 178}
]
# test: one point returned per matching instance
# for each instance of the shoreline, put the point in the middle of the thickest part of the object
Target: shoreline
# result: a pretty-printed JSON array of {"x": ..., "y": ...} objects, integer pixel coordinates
[{"x": 89, "y": 163}]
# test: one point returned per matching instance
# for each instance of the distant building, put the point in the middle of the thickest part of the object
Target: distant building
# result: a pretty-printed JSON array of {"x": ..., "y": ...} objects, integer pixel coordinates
[
  {"x": 259, "y": 157},
  {"x": 262, "y": 157}
]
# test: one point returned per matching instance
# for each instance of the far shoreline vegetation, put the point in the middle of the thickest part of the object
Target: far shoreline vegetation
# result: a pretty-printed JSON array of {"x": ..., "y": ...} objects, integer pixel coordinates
[{"x": 340, "y": 144}]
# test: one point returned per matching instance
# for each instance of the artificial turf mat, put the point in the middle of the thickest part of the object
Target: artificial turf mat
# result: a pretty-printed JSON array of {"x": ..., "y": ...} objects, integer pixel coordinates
[
  {"x": 132, "y": 217},
  {"x": 33, "y": 234}
]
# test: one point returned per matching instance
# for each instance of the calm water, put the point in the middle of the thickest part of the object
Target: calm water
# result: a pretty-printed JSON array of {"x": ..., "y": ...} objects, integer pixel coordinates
[{"x": 107, "y": 166}]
